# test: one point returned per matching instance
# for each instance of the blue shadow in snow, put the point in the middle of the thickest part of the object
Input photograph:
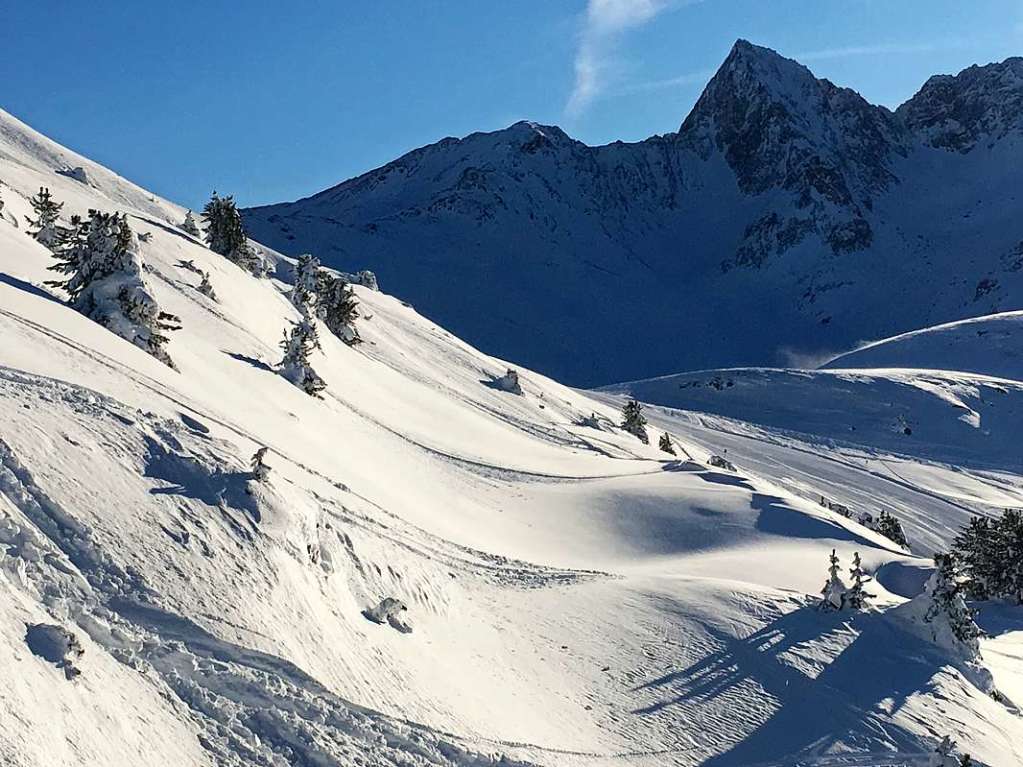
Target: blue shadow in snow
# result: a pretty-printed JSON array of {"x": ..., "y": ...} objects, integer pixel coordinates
[
  {"x": 881, "y": 666},
  {"x": 28, "y": 287}
]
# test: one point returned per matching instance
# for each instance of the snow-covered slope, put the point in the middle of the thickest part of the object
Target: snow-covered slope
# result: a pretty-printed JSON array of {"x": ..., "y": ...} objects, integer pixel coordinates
[
  {"x": 574, "y": 597},
  {"x": 813, "y": 218},
  {"x": 990, "y": 345}
]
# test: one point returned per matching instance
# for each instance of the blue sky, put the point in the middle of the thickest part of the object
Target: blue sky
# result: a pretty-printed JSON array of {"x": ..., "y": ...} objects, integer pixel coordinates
[{"x": 273, "y": 101}]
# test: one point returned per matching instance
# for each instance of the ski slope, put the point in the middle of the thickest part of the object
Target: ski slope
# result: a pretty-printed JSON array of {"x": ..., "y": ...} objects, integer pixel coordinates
[{"x": 575, "y": 597}]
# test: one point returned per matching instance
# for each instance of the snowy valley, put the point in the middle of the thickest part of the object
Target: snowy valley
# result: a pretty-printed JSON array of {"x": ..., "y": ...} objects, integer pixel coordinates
[{"x": 435, "y": 562}]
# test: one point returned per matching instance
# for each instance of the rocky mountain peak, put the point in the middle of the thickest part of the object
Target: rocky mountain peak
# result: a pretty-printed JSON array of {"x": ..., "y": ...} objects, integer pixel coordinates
[
  {"x": 779, "y": 127},
  {"x": 955, "y": 112}
]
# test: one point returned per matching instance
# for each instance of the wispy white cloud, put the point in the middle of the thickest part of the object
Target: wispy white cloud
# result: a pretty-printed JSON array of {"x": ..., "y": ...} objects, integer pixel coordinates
[
  {"x": 604, "y": 23},
  {"x": 875, "y": 50},
  {"x": 700, "y": 76}
]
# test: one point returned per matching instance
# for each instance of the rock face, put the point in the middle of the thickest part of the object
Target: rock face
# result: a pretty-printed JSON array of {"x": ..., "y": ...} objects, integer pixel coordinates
[
  {"x": 787, "y": 216},
  {"x": 779, "y": 127},
  {"x": 958, "y": 112}
]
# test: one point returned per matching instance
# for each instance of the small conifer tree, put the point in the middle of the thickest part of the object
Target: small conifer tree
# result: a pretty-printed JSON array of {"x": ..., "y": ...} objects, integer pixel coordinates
[
  {"x": 889, "y": 526},
  {"x": 665, "y": 444},
  {"x": 633, "y": 420},
  {"x": 206, "y": 287},
  {"x": 189, "y": 225},
  {"x": 260, "y": 471},
  {"x": 304, "y": 293},
  {"x": 947, "y": 611},
  {"x": 833, "y": 595},
  {"x": 337, "y": 306},
  {"x": 857, "y": 597},
  {"x": 298, "y": 345},
  {"x": 44, "y": 227},
  {"x": 226, "y": 235}
]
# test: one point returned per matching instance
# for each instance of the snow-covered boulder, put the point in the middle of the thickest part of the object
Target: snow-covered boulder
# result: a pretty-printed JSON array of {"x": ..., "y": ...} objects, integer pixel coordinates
[
  {"x": 509, "y": 382},
  {"x": 389, "y": 611},
  {"x": 719, "y": 462}
]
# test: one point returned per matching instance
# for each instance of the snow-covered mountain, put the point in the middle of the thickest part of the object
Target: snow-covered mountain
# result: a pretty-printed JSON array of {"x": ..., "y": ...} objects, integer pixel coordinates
[
  {"x": 575, "y": 597},
  {"x": 787, "y": 218}
]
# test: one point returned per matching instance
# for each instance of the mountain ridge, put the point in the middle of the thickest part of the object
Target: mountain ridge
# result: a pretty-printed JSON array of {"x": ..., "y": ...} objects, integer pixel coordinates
[{"x": 780, "y": 188}]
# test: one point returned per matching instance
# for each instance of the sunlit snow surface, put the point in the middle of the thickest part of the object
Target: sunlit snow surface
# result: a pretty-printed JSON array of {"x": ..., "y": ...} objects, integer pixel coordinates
[{"x": 574, "y": 597}]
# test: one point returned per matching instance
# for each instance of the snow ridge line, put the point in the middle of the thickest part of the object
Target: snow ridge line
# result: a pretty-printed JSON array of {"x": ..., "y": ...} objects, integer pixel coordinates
[{"x": 500, "y": 471}]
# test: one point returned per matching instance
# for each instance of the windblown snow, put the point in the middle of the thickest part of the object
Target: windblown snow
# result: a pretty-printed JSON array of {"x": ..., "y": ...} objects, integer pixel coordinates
[{"x": 441, "y": 569}]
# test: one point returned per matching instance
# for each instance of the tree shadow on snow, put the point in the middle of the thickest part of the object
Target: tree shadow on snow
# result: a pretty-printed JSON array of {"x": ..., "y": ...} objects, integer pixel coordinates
[
  {"x": 778, "y": 518},
  {"x": 189, "y": 478},
  {"x": 28, "y": 287},
  {"x": 998, "y": 618},
  {"x": 721, "y": 478},
  {"x": 258, "y": 364},
  {"x": 169, "y": 229},
  {"x": 878, "y": 669}
]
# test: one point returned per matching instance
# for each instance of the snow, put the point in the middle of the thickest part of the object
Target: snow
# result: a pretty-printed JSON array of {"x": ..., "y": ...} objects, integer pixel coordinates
[
  {"x": 787, "y": 219},
  {"x": 576, "y": 597}
]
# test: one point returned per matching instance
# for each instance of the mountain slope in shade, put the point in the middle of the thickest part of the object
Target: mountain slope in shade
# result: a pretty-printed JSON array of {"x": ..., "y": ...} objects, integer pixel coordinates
[
  {"x": 575, "y": 597},
  {"x": 786, "y": 216}
]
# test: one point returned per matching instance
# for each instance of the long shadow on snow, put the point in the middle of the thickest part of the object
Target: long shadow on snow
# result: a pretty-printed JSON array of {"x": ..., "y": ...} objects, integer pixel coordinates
[
  {"x": 776, "y": 517},
  {"x": 258, "y": 364},
  {"x": 876, "y": 672},
  {"x": 191, "y": 479},
  {"x": 28, "y": 287}
]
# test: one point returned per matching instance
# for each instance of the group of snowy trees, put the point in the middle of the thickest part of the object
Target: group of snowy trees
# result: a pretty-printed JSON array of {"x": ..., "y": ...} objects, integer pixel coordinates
[
  {"x": 837, "y": 595},
  {"x": 316, "y": 294},
  {"x": 889, "y": 526},
  {"x": 989, "y": 555},
  {"x": 103, "y": 278}
]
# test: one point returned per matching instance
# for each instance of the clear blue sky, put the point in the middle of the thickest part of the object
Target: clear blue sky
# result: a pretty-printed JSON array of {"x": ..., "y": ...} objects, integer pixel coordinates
[{"x": 272, "y": 101}]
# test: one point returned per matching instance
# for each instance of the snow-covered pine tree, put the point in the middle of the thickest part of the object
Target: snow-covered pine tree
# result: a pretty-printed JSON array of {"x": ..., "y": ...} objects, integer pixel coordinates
[
  {"x": 189, "y": 225},
  {"x": 337, "y": 306},
  {"x": 889, "y": 526},
  {"x": 260, "y": 471},
  {"x": 989, "y": 553},
  {"x": 976, "y": 555},
  {"x": 950, "y": 618},
  {"x": 44, "y": 227},
  {"x": 633, "y": 420},
  {"x": 295, "y": 367},
  {"x": 206, "y": 287},
  {"x": 307, "y": 278},
  {"x": 665, "y": 444},
  {"x": 833, "y": 595},
  {"x": 857, "y": 597},
  {"x": 105, "y": 282},
  {"x": 226, "y": 235},
  {"x": 1010, "y": 547}
]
